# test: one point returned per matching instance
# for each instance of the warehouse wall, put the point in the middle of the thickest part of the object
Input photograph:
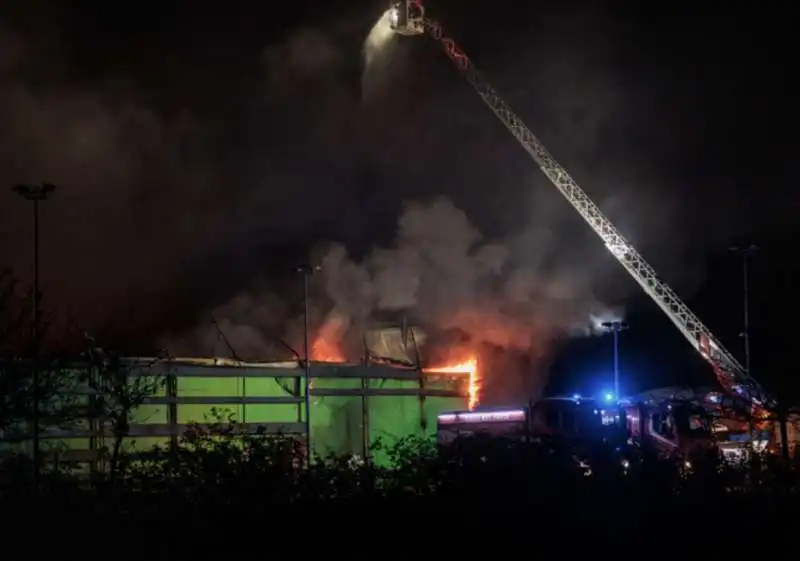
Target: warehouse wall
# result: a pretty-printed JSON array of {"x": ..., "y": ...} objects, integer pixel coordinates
[{"x": 346, "y": 417}]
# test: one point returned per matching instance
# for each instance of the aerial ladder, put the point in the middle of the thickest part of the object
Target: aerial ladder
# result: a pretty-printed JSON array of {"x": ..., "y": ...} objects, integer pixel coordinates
[{"x": 407, "y": 17}]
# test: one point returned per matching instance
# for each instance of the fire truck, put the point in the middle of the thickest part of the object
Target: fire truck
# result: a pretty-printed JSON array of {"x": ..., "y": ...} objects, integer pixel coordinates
[
  {"x": 677, "y": 430},
  {"x": 571, "y": 426},
  {"x": 570, "y": 420},
  {"x": 690, "y": 419},
  {"x": 676, "y": 423}
]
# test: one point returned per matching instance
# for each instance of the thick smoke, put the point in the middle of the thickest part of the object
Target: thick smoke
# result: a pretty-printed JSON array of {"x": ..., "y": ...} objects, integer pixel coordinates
[
  {"x": 249, "y": 327},
  {"x": 118, "y": 222},
  {"x": 198, "y": 151},
  {"x": 167, "y": 175},
  {"x": 176, "y": 181},
  {"x": 443, "y": 273},
  {"x": 118, "y": 226},
  {"x": 511, "y": 302}
]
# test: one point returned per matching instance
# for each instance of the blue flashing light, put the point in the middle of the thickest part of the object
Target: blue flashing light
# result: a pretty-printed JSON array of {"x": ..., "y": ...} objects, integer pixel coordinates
[
  {"x": 576, "y": 396},
  {"x": 609, "y": 397}
]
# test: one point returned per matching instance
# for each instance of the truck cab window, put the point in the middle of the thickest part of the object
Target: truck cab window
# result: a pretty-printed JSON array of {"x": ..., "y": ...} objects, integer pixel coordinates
[
  {"x": 692, "y": 422},
  {"x": 664, "y": 426}
]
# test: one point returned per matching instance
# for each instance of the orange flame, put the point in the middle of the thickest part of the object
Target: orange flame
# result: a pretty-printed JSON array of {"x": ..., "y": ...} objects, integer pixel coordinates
[
  {"x": 469, "y": 368},
  {"x": 325, "y": 348},
  {"x": 324, "y": 351}
]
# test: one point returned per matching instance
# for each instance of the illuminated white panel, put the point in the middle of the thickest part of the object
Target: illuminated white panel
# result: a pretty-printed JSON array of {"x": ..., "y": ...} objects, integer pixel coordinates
[{"x": 482, "y": 417}]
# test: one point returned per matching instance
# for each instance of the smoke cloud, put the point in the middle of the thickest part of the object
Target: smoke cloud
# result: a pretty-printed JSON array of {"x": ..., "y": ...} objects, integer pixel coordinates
[
  {"x": 442, "y": 272},
  {"x": 198, "y": 157},
  {"x": 169, "y": 174}
]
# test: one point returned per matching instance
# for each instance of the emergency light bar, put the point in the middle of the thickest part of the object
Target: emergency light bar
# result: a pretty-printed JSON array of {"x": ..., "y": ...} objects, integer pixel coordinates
[{"x": 482, "y": 417}]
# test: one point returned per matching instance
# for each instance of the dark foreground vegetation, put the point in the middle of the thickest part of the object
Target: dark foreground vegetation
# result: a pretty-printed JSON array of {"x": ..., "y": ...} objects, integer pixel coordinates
[{"x": 212, "y": 486}]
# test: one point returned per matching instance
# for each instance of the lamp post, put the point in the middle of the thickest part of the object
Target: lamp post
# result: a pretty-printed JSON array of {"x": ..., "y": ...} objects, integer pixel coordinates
[
  {"x": 307, "y": 271},
  {"x": 615, "y": 327},
  {"x": 745, "y": 252},
  {"x": 35, "y": 194}
]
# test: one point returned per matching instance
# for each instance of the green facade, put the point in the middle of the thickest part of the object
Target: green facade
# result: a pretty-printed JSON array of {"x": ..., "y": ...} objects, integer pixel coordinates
[{"x": 352, "y": 405}]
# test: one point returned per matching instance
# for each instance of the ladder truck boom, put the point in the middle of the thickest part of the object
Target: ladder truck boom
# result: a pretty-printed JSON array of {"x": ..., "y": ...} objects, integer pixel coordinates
[{"x": 408, "y": 18}]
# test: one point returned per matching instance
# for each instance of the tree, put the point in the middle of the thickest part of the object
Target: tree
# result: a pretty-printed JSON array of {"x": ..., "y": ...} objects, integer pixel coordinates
[
  {"x": 56, "y": 384},
  {"x": 15, "y": 385},
  {"x": 117, "y": 388}
]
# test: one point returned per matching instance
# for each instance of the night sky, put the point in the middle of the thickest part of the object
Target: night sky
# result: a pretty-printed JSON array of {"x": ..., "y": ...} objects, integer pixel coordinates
[{"x": 202, "y": 150}]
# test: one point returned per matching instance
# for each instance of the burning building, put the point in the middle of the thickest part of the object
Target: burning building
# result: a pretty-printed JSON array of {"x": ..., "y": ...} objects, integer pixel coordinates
[{"x": 387, "y": 394}]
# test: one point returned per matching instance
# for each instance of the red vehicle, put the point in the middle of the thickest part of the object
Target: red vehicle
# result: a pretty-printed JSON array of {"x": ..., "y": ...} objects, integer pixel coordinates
[
  {"x": 553, "y": 418},
  {"x": 671, "y": 429},
  {"x": 571, "y": 425},
  {"x": 680, "y": 421}
]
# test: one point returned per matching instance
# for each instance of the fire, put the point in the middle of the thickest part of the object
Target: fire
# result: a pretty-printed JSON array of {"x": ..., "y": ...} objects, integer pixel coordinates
[
  {"x": 325, "y": 351},
  {"x": 469, "y": 368},
  {"x": 325, "y": 347}
]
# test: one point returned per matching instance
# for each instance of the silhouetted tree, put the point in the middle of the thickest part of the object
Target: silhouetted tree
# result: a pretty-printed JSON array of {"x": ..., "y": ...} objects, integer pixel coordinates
[
  {"x": 56, "y": 385},
  {"x": 117, "y": 388}
]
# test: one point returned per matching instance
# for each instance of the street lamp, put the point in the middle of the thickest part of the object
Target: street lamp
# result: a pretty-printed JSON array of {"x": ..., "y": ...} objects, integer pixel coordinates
[
  {"x": 307, "y": 271},
  {"x": 36, "y": 194},
  {"x": 615, "y": 327},
  {"x": 745, "y": 252}
]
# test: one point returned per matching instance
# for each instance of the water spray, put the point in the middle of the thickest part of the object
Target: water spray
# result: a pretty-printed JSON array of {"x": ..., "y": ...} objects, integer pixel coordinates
[
  {"x": 406, "y": 17},
  {"x": 378, "y": 38}
]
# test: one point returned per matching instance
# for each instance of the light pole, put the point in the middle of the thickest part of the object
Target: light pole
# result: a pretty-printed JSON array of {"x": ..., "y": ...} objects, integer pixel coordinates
[
  {"x": 615, "y": 327},
  {"x": 307, "y": 271},
  {"x": 36, "y": 194},
  {"x": 746, "y": 252}
]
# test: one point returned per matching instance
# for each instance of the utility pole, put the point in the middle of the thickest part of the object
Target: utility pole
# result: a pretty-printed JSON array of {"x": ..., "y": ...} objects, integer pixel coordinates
[
  {"x": 307, "y": 272},
  {"x": 615, "y": 327},
  {"x": 36, "y": 194},
  {"x": 746, "y": 252}
]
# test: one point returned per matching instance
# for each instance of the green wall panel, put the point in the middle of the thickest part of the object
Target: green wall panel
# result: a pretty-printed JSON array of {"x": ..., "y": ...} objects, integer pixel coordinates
[{"x": 337, "y": 422}]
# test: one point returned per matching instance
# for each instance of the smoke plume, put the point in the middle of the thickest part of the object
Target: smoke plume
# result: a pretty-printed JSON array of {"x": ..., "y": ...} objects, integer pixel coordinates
[
  {"x": 443, "y": 273},
  {"x": 507, "y": 302},
  {"x": 199, "y": 152},
  {"x": 166, "y": 181}
]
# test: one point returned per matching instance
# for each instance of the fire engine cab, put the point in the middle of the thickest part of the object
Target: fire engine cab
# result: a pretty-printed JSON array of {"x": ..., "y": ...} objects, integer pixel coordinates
[
  {"x": 670, "y": 429},
  {"x": 704, "y": 418}
]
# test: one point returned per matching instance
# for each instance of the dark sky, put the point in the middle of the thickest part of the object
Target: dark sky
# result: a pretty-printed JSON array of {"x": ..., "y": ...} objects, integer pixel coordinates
[{"x": 201, "y": 147}]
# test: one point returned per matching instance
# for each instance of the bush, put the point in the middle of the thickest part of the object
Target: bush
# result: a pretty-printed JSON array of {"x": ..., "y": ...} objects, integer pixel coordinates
[{"x": 215, "y": 477}]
